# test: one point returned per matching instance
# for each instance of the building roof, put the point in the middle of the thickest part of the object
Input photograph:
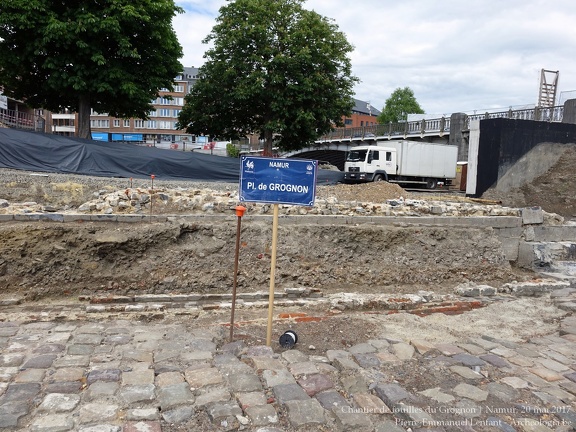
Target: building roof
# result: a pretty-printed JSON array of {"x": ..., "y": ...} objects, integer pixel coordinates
[
  {"x": 363, "y": 107},
  {"x": 190, "y": 73}
]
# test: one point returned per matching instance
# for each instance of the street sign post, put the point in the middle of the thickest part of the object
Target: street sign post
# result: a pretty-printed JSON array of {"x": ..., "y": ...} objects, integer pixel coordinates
[{"x": 277, "y": 181}]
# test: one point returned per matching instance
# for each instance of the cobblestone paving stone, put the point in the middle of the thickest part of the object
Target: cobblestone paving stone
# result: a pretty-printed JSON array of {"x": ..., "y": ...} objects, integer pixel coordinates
[{"x": 122, "y": 376}]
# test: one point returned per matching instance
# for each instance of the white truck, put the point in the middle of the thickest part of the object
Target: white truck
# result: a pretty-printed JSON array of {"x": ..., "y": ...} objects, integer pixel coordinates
[{"x": 406, "y": 162}]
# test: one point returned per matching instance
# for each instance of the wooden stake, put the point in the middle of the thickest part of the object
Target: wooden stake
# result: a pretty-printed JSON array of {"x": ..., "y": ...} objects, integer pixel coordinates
[{"x": 272, "y": 276}]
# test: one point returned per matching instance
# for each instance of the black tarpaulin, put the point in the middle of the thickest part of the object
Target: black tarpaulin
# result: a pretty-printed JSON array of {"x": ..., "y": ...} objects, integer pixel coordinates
[{"x": 32, "y": 151}]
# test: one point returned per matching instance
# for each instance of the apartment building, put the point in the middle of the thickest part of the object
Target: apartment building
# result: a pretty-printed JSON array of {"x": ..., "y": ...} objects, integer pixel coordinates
[
  {"x": 160, "y": 129},
  {"x": 363, "y": 114}
]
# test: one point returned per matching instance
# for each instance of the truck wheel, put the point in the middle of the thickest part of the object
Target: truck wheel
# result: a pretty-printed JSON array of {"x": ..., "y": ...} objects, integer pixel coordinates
[
  {"x": 378, "y": 178},
  {"x": 431, "y": 183}
]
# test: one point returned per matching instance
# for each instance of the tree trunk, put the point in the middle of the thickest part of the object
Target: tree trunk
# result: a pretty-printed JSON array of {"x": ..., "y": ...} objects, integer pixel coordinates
[
  {"x": 84, "y": 117},
  {"x": 267, "y": 151}
]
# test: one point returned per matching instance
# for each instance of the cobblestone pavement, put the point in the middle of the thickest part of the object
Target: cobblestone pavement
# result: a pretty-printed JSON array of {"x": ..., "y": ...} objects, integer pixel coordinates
[{"x": 119, "y": 375}]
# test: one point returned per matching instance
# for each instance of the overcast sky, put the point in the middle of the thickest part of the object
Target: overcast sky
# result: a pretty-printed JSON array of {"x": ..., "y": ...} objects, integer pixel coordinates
[{"x": 456, "y": 55}]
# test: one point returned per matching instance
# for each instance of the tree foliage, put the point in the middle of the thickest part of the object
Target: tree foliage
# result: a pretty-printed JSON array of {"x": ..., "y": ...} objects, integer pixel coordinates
[
  {"x": 397, "y": 107},
  {"x": 275, "y": 69},
  {"x": 112, "y": 56}
]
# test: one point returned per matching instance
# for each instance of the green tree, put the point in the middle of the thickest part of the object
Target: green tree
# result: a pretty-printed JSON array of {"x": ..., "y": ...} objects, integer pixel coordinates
[
  {"x": 397, "y": 107},
  {"x": 112, "y": 56},
  {"x": 275, "y": 69}
]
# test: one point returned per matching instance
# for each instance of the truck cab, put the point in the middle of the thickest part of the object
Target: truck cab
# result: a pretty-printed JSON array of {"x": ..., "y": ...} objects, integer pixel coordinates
[{"x": 364, "y": 164}]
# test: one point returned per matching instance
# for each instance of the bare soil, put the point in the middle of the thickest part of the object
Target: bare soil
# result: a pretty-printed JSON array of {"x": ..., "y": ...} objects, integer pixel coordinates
[
  {"x": 53, "y": 262},
  {"x": 39, "y": 259},
  {"x": 554, "y": 189}
]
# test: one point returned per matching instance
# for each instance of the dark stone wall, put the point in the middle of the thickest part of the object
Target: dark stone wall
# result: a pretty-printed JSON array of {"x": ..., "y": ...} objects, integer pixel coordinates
[
  {"x": 504, "y": 141},
  {"x": 457, "y": 136}
]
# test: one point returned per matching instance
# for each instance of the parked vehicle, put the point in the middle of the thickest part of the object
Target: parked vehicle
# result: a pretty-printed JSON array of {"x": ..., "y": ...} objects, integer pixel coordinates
[{"x": 406, "y": 162}]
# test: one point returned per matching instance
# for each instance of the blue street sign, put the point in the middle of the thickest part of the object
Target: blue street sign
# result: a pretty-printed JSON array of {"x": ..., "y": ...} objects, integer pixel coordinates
[{"x": 278, "y": 181}]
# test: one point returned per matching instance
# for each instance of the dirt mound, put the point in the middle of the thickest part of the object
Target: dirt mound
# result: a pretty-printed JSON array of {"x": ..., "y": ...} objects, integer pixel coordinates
[
  {"x": 364, "y": 192},
  {"x": 544, "y": 177}
]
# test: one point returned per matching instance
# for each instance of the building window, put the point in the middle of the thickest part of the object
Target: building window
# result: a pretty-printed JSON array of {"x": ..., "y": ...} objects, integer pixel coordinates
[
  {"x": 127, "y": 123},
  {"x": 176, "y": 112},
  {"x": 151, "y": 124},
  {"x": 178, "y": 89},
  {"x": 139, "y": 124},
  {"x": 164, "y": 112},
  {"x": 99, "y": 124},
  {"x": 165, "y": 125},
  {"x": 166, "y": 101},
  {"x": 116, "y": 123},
  {"x": 348, "y": 121}
]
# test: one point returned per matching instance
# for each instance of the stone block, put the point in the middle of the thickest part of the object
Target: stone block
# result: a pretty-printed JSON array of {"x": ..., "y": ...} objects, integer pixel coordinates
[
  {"x": 251, "y": 399},
  {"x": 273, "y": 377},
  {"x": 142, "y": 414},
  {"x": 244, "y": 382},
  {"x": 532, "y": 215},
  {"x": 178, "y": 415},
  {"x": 367, "y": 361},
  {"x": 471, "y": 392},
  {"x": 305, "y": 413},
  {"x": 139, "y": 426},
  {"x": 370, "y": 403},
  {"x": 54, "y": 422},
  {"x": 294, "y": 356},
  {"x": 534, "y": 288},
  {"x": 262, "y": 415},
  {"x": 391, "y": 393},
  {"x": 266, "y": 362},
  {"x": 564, "y": 233},
  {"x": 58, "y": 403},
  {"x": 437, "y": 395},
  {"x": 173, "y": 395},
  {"x": 137, "y": 393},
  {"x": 203, "y": 377},
  {"x": 466, "y": 372},
  {"x": 223, "y": 409},
  {"x": 315, "y": 383},
  {"x": 216, "y": 395},
  {"x": 289, "y": 392}
]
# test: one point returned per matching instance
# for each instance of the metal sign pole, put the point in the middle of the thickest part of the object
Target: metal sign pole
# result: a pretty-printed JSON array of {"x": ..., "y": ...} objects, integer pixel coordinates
[
  {"x": 272, "y": 276},
  {"x": 239, "y": 212}
]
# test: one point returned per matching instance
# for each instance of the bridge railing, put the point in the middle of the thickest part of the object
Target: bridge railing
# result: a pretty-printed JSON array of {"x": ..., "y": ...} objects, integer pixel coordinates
[
  {"x": 390, "y": 130},
  {"x": 17, "y": 119},
  {"x": 551, "y": 114},
  {"x": 436, "y": 126}
]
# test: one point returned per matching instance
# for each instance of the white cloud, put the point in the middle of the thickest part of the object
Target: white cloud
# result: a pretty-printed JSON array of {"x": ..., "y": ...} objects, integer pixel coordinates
[{"x": 456, "y": 55}]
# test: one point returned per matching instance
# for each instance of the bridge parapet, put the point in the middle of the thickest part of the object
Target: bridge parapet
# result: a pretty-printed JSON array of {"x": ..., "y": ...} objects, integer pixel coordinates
[{"x": 434, "y": 127}]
